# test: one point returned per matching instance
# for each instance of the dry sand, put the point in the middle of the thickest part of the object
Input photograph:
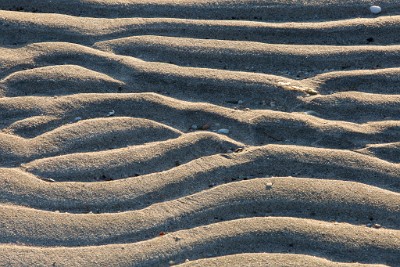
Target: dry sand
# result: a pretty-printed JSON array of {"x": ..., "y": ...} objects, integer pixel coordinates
[{"x": 112, "y": 143}]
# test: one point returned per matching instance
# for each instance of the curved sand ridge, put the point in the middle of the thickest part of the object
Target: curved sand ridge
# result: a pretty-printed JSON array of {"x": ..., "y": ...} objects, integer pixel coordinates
[
  {"x": 110, "y": 152},
  {"x": 46, "y": 27},
  {"x": 273, "y": 10},
  {"x": 274, "y": 234}
]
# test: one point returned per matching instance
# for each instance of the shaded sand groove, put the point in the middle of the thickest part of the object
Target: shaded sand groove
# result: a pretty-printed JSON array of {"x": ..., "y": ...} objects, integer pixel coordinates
[{"x": 110, "y": 149}]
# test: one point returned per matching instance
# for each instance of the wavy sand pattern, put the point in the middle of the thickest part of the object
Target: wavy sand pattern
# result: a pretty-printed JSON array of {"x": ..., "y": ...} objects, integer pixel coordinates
[{"x": 110, "y": 149}]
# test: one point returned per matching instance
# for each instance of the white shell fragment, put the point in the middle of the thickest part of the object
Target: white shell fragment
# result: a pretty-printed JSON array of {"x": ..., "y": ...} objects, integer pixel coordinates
[
  {"x": 283, "y": 83},
  {"x": 223, "y": 131},
  {"x": 375, "y": 9}
]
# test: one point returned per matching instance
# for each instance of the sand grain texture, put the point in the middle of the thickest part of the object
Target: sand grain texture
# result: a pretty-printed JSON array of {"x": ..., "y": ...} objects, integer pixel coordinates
[{"x": 111, "y": 149}]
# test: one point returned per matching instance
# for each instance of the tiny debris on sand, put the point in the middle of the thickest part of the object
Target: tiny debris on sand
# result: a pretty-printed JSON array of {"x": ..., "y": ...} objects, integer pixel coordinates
[
  {"x": 375, "y": 9},
  {"x": 223, "y": 131}
]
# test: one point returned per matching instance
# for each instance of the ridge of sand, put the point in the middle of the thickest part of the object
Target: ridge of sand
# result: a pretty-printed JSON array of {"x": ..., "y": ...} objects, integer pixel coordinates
[
  {"x": 265, "y": 259},
  {"x": 272, "y": 10},
  {"x": 46, "y": 27},
  {"x": 145, "y": 133},
  {"x": 253, "y": 198},
  {"x": 274, "y": 234}
]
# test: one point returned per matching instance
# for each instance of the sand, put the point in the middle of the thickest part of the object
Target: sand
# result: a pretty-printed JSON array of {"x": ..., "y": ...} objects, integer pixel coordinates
[{"x": 110, "y": 149}]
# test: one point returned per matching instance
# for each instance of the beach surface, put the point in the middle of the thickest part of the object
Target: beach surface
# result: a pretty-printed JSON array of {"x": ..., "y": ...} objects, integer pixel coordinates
[{"x": 199, "y": 133}]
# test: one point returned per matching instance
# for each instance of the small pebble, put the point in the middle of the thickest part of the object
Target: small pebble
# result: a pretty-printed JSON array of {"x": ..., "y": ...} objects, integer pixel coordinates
[
  {"x": 171, "y": 263},
  {"x": 223, "y": 131},
  {"x": 77, "y": 118},
  {"x": 205, "y": 127},
  {"x": 283, "y": 83},
  {"x": 272, "y": 104},
  {"x": 269, "y": 185},
  {"x": 48, "y": 180},
  {"x": 370, "y": 39},
  {"x": 111, "y": 113},
  {"x": 375, "y": 9},
  {"x": 194, "y": 127},
  {"x": 377, "y": 226},
  {"x": 311, "y": 112},
  {"x": 187, "y": 260},
  {"x": 240, "y": 102},
  {"x": 239, "y": 149},
  {"x": 310, "y": 91}
]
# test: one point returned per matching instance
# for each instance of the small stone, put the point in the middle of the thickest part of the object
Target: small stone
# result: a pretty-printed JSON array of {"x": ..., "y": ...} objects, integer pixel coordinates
[
  {"x": 77, "y": 118},
  {"x": 111, "y": 113},
  {"x": 272, "y": 104},
  {"x": 269, "y": 185},
  {"x": 205, "y": 126},
  {"x": 229, "y": 151},
  {"x": 48, "y": 180},
  {"x": 223, "y": 131},
  {"x": 239, "y": 149},
  {"x": 375, "y": 9},
  {"x": 283, "y": 83},
  {"x": 194, "y": 127},
  {"x": 310, "y": 91},
  {"x": 377, "y": 226},
  {"x": 370, "y": 40},
  {"x": 240, "y": 102},
  {"x": 171, "y": 263},
  {"x": 187, "y": 260},
  {"x": 311, "y": 112}
]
